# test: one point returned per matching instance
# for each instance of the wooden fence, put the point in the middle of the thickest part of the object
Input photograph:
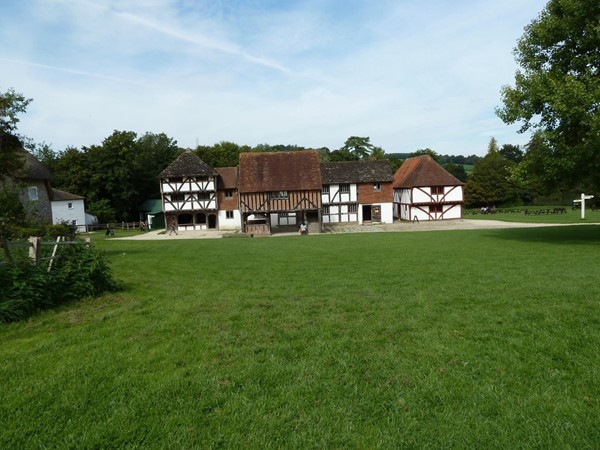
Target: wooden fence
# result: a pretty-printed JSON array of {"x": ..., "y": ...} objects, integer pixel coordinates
[{"x": 35, "y": 244}]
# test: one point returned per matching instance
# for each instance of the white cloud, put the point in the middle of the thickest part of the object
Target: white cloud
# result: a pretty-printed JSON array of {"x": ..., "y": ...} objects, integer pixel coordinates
[{"x": 409, "y": 75}]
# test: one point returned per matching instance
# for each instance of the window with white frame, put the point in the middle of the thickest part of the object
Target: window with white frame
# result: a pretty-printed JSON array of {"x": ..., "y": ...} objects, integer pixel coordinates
[
  {"x": 353, "y": 208},
  {"x": 70, "y": 205},
  {"x": 377, "y": 187},
  {"x": 229, "y": 214},
  {"x": 33, "y": 193},
  {"x": 345, "y": 188}
]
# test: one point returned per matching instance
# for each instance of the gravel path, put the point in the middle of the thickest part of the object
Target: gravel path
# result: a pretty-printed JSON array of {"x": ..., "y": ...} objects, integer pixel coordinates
[{"x": 434, "y": 225}]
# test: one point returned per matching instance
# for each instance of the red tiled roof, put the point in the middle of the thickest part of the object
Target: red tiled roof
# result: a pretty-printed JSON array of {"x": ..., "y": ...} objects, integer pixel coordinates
[
  {"x": 279, "y": 171},
  {"x": 228, "y": 177},
  {"x": 423, "y": 171}
]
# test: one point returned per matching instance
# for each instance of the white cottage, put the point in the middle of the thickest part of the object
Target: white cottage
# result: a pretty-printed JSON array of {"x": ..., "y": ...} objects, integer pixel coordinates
[
  {"x": 424, "y": 190},
  {"x": 69, "y": 208}
]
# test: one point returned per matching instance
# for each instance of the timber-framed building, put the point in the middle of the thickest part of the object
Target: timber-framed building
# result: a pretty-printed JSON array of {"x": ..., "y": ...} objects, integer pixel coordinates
[
  {"x": 279, "y": 189},
  {"x": 424, "y": 190}
]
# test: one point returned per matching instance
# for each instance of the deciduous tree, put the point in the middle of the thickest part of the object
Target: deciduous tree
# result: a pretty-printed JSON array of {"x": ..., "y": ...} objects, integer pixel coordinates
[{"x": 557, "y": 92}]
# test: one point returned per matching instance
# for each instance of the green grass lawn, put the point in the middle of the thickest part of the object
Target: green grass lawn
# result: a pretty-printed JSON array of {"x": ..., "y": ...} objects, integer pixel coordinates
[
  {"x": 454, "y": 339},
  {"x": 571, "y": 216}
]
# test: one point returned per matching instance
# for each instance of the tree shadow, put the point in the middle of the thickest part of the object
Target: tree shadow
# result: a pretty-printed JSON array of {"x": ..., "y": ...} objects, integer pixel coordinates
[{"x": 560, "y": 235}]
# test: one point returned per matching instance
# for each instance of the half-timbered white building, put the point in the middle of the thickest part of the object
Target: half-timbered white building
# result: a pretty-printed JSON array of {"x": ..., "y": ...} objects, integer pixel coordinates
[
  {"x": 189, "y": 193},
  {"x": 357, "y": 191},
  {"x": 279, "y": 190},
  {"x": 424, "y": 190}
]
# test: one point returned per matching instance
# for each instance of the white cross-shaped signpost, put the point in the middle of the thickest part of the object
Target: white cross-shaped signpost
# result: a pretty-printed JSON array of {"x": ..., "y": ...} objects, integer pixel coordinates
[{"x": 582, "y": 201}]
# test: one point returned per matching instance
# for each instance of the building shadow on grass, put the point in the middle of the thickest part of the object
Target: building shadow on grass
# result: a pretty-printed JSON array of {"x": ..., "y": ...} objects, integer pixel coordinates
[{"x": 561, "y": 235}]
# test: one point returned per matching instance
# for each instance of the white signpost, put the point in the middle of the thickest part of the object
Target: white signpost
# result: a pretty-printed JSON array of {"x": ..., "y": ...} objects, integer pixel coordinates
[{"x": 582, "y": 201}]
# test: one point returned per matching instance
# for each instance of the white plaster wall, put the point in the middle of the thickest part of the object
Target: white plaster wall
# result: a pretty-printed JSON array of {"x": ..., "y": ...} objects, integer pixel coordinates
[
  {"x": 62, "y": 213},
  {"x": 230, "y": 224}
]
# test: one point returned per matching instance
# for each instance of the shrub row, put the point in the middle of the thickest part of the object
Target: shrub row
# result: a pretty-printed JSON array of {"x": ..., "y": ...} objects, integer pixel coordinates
[{"x": 79, "y": 271}]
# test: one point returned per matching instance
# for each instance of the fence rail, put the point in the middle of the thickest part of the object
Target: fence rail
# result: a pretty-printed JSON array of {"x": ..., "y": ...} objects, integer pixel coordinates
[{"x": 35, "y": 244}]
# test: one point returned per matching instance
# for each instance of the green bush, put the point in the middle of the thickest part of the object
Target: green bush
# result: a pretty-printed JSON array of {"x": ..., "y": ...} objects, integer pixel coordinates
[{"x": 78, "y": 271}]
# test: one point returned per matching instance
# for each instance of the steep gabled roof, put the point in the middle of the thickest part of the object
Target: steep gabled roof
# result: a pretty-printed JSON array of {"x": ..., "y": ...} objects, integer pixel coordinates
[
  {"x": 58, "y": 196},
  {"x": 279, "y": 171},
  {"x": 356, "y": 172},
  {"x": 188, "y": 164},
  {"x": 228, "y": 177},
  {"x": 423, "y": 171},
  {"x": 34, "y": 169}
]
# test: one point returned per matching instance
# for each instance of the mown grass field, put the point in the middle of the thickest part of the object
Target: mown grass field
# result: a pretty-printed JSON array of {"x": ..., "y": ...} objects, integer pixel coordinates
[
  {"x": 570, "y": 217},
  {"x": 453, "y": 339}
]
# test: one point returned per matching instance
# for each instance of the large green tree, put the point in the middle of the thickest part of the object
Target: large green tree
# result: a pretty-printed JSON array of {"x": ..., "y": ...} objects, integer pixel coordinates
[
  {"x": 11, "y": 155},
  {"x": 491, "y": 182},
  {"x": 557, "y": 94},
  {"x": 123, "y": 171}
]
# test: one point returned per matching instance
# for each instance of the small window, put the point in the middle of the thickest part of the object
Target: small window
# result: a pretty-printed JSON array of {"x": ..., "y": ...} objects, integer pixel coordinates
[
  {"x": 33, "y": 193},
  {"x": 175, "y": 180},
  {"x": 177, "y": 197},
  {"x": 326, "y": 209},
  {"x": 353, "y": 208},
  {"x": 326, "y": 189},
  {"x": 437, "y": 190},
  {"x": 229, "y": 193},
  {"x": 70, "y": 205},
  {"x": 203, "y": 196},
  {"x": 345, "y": 188},
  {"x": 229, "y": 214},
  {"x": 377, "y": 187},
  {"x": 436, "y": 209},
  {"x": 281, "y": 195}
]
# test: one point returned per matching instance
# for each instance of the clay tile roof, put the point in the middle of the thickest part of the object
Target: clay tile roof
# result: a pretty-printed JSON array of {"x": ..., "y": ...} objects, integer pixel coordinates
[
  {"x": 58, "y": 195},
  {"x": 228, "y": 177},
  {"x": 356, "y": 172},
  {"x": 423, "y": 171},
  {"x": 279, "y": 171},
  {"x": 188, "y": 164}
]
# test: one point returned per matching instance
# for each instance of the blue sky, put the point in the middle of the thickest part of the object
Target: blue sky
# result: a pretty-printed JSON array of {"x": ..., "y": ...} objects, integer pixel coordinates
[{"x": 408, "y": 74}]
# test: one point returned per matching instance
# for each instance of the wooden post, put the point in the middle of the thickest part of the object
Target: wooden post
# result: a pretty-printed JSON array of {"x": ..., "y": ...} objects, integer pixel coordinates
[
  {"x": 35, "y": 246},
  {"x": 9, "y": 257}
]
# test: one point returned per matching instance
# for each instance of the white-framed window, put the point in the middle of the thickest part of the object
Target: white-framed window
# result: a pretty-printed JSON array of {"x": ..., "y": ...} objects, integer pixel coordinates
[
  {"x": 353, "y": 208},
  {"x": 229, "y": 214},
  {"x": 326, "y": 209},
  {"x": 345, "y": 188},
  {"x": 33, "y": 193},
  {"x": 70, "y": 205},
  {"x": 377, "y": 187}
]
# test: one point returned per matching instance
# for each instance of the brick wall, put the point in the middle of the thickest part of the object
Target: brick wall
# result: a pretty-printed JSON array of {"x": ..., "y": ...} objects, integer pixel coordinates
[{"x": 367, "y": 194}]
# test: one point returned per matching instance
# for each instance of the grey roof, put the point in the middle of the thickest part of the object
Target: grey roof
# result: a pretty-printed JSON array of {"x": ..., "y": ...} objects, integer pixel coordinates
[
  {"x": 58, "y": 195},
  {"x": 356, "y": 172},
  {"x": 34, "y": 169},
  {"x": 188, "y": 164}
]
